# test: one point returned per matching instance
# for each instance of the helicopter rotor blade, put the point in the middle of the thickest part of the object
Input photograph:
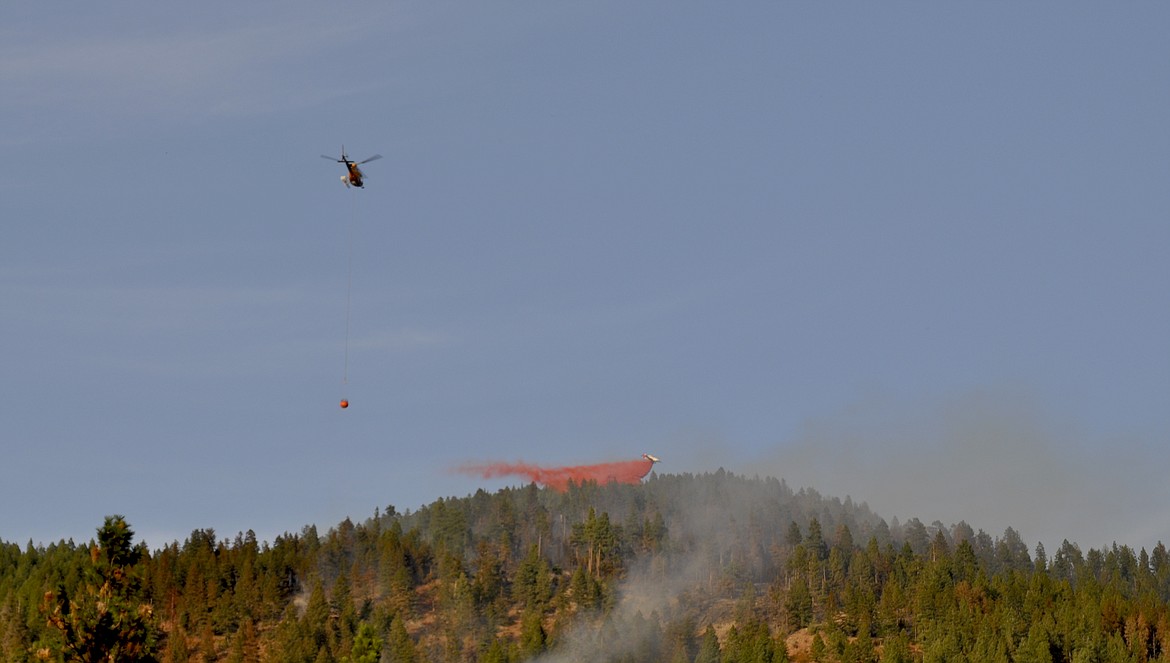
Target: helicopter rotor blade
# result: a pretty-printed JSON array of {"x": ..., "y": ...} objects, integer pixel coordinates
[
  {"x": 331, "y": 158},
  {"x": 373, "y": 158}
]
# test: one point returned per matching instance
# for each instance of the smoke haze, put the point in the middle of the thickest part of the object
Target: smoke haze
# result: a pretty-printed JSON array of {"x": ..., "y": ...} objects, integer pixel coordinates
[{"x": 994, "y": 459}]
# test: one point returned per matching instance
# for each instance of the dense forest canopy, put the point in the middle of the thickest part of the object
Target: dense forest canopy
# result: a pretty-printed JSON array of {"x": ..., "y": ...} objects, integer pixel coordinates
[{"x": 710, "y": 567}]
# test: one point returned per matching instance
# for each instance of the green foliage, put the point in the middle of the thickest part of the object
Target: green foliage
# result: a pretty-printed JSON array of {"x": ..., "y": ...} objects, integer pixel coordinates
[
  {"x": 709, "y": 651},
  {"x": 529, "y": 572},
  {"x": 367, "y": 646},
  {"x": 896, "y": 649},
  {"x": 400, "y": 647},
  {"x": 105, "y": 619},
  {"x": 798, "y": 605},
  {"x": 533, "y": 586},
  {"x": 496, "y": 651},
  {"x": 752, "y": 644},
  {"x": 533, "y": 638},
  {"x": 245, "y": 648}
]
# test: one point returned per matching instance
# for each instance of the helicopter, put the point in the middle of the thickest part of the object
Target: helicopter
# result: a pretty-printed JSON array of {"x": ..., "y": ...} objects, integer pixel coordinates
[{"x": 354, "y": 176}]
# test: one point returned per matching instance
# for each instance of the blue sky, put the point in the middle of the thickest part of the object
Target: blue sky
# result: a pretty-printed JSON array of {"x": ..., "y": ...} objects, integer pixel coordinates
[{"x": 907, "y": 252}]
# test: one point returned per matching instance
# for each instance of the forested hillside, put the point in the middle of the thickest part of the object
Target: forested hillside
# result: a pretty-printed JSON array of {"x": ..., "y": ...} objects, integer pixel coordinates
[{"x": 682, "y": 568}]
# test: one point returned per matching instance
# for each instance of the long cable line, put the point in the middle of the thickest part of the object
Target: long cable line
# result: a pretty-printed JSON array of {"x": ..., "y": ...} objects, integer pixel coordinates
[{"x": 348, "y": 292}]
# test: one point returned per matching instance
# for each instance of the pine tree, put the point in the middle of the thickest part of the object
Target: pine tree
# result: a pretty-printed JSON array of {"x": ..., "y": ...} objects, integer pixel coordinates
[
  {"x": 709, "y": 647},
  {"x": 1035, "y": 648},
  {"x": 315, "y": 624},
  {"x": 815, "y": 541},
  {"x": 107, "y": 620},
  {"x": 798, "y": 605},
  {"x": 14, "y": 633},
  {"x": 495, "y": 652},
  {"x": 244, "y": 646},
  {"x": 207, "y": 652},
  {"x": 176, "y": 649},
  {"x": 860, "y": 650},
  {"x": 794, "y": 537},
  {"x": 367, "y": 646},
  {"x": 400, "y": 648},
  {"x": 532, "y": 585},
  {"x": 819, "y": 650},
  {"x": 533, "y": 638},
  {"x": 896, "y": 649}
]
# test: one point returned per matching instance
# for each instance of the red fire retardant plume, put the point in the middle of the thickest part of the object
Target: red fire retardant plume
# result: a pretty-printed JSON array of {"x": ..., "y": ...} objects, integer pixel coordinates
[{"x": 558, "y": 478}]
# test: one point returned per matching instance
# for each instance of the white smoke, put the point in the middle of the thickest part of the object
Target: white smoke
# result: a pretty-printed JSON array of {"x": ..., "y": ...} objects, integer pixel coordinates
[
  {"x": 647, "y": 597},
  {"x": 994, "y": 459}
]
